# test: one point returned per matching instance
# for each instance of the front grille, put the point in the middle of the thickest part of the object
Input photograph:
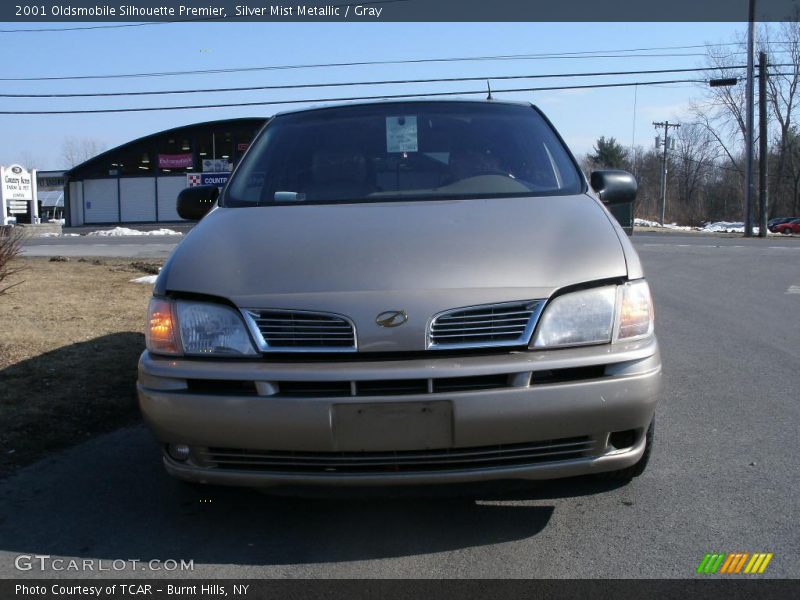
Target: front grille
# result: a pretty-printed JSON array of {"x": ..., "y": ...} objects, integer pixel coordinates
[
  {"x": 507, "y": 324},
  {"x": 283, "y": 330},
  {"x": 505, "y": 455}
]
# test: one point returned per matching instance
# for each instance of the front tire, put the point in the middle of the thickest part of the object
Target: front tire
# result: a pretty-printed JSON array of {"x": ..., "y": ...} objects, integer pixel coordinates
[{"x": 639, "y": 467}]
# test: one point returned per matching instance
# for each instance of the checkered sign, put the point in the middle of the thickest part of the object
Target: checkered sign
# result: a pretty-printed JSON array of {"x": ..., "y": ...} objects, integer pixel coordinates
[{"x": 193, "y": 179}]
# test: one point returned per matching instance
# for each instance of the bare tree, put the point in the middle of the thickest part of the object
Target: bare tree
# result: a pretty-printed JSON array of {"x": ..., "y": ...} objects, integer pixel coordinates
[
  {"x": 722, "y": 113},
  {"x": 694, "y": 160},
  {"x": 782, "y": 96},
  {"x": 10, "y": 247},
  {"x": 29, "y": 160},
  {"x": 76, "y": 150}
]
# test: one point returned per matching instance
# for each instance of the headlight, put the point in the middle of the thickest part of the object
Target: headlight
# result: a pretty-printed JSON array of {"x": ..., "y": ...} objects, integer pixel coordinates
[
  {"x": 597, "y": 316},
  {"x": 585, "y": 317},
  {"x": 196, "y": 328}
]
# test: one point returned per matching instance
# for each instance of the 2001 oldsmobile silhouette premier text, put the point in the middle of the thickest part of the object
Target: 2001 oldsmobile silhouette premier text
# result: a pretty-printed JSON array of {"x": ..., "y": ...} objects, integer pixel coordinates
[{"x": 403, "y": 293}]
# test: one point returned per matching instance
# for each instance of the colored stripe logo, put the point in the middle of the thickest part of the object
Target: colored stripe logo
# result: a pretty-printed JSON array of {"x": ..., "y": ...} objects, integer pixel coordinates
[{"x": 734, "y": 563}]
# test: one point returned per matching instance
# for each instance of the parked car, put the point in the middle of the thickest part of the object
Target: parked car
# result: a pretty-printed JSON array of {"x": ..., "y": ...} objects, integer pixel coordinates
[
  {"x": 773, "y": 222},
  {"x": 403, "y": 293},
  {"x": 787, "y": 227}
]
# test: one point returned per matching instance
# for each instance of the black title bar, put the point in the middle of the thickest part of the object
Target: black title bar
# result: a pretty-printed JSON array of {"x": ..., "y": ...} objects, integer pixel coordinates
[{"x": 127, "y": 11}]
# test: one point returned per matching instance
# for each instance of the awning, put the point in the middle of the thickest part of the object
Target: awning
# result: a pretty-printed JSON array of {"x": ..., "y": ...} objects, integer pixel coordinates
[{"x": 50, "y": 199}]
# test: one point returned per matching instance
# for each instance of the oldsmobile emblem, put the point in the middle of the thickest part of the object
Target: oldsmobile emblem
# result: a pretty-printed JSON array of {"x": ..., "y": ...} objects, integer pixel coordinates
[{"x": 392, "y": 318}]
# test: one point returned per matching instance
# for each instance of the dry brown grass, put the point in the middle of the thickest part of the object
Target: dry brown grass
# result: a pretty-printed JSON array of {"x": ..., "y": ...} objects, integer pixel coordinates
[{"x": 70, "y": 336}]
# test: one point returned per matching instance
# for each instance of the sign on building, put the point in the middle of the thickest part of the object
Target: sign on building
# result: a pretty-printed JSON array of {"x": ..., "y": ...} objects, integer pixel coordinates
[
  {"x": 17, "y": 193},
  {"x": 217, "y": 165},
  {"x": 217, "y": 179},
  {"x": 175, "y": 161}
]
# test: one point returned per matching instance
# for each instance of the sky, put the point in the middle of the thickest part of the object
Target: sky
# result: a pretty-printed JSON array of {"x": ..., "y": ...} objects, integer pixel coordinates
[{"x": 581, "y": 116}]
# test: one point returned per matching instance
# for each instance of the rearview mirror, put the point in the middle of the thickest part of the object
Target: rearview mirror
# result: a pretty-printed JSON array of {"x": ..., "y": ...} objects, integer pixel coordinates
[
  {"x": 614, "y": 186},
  {"x": 194, "y": 202}
]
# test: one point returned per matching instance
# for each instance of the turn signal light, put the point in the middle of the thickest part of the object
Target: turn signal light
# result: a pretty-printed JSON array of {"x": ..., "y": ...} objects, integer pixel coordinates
[
  {"x": 161, "y": 334},
  {"x": 636, "y": 311}
]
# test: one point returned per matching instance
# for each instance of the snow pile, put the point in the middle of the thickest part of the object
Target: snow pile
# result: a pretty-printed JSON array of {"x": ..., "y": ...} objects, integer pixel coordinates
[
  {"x": 150, "y": 279},
  {"x": 678, "y": 227},
  {"x": 724, "y": 227},
  {"x": 646, "y": 223},
  {"x": 123, "y": 231},
  {"x": 53, "y": 234}
]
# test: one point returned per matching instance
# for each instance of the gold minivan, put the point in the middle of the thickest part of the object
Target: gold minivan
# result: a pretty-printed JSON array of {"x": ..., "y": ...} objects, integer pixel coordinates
[{"x": 416, "y": 292}]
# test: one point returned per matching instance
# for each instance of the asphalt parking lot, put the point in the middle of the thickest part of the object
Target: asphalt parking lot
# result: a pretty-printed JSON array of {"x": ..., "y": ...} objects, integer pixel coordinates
[{"x": 724, "y": 476}]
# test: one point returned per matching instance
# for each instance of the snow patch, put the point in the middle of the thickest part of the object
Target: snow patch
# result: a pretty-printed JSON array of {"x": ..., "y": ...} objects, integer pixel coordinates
[
  {"x": 149, "y": 279},
  {"x": 124, "y": 231}
]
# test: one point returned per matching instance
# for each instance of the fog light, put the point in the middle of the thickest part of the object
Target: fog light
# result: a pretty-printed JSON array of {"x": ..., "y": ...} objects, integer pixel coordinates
[
  {"x": 622, "y": 439},
  {"x": 178, "y": 451}
]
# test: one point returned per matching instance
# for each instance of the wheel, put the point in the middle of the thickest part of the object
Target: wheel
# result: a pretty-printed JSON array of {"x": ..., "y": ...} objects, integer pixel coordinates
[
  {"x": 638, "y": 468},
  {"x": 786, "y": 231}
]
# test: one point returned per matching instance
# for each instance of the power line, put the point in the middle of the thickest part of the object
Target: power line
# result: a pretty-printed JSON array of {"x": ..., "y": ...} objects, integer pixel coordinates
[
  {"x": 613, "y": 53},
  {"x": 90, "y": 27},
  {"x": 347, "y": 99},
  {"x": 368, "y": 83},
  {"x": 544, "y": 56}
]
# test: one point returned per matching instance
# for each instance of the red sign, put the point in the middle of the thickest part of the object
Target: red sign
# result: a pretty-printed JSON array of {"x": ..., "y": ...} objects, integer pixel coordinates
[
  {"x": 174, "y": 161},
  {"x": 241, "y": 147}
]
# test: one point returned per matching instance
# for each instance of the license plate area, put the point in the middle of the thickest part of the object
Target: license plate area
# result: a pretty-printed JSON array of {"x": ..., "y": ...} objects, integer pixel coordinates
[{"x": 388, "y": 426}]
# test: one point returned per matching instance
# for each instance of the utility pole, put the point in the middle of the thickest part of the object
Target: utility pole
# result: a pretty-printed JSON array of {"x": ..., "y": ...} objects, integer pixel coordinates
[
  {"x": 749, "y": 184},
  {"x": 666, "y": 125},
  {"x": 763, "y": 151}
]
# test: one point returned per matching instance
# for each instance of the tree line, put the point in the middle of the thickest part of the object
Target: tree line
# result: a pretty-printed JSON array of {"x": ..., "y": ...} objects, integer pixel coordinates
[{"x": 705, "y": 167}]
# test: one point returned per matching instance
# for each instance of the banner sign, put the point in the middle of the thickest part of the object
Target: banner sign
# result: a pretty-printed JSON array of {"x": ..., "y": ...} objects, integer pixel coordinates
[
  {"x": 175, "y": 161},
  {"x": 217, "y": 179}
]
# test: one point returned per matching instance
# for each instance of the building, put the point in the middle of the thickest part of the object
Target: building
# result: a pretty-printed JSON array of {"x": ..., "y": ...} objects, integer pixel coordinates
[{"x": 138, "y": 182}]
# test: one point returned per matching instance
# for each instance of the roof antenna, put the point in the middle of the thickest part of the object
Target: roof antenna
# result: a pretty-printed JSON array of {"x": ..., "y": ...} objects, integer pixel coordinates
[{"x": 489, "y": 87}]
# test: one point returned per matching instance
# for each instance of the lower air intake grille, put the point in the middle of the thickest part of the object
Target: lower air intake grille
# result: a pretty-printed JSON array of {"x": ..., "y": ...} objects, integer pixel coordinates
[
  {"x": 306, "y": 331},
  {"x": 507, "y": 455},
  {"x": 507, "y": 324}
]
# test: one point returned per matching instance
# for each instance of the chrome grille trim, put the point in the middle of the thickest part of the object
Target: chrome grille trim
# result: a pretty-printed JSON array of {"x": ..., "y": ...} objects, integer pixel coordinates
[
  {"x": 484, "y": 326},
  {"x": 282, "y": 330},
  {"x": 505, "y": 455}
]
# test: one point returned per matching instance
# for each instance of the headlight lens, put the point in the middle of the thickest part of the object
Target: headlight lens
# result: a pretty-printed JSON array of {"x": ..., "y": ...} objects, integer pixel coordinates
[
  {"x": 584, "y": 317},
  {"x": 196, "y": 328},
  {"x": 597, "y": 316}
]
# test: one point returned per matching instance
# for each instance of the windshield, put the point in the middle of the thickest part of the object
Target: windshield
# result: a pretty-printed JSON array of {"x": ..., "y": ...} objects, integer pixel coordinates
[{"x": 413, "y": 150}]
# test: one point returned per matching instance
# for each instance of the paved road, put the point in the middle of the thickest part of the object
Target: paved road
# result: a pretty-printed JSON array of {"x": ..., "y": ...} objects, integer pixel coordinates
[
  {"x": 155, "y": 246},
  {"x": 724, "y": 477}
]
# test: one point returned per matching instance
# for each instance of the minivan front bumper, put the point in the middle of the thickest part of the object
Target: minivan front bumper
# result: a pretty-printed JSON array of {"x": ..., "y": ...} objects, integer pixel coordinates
[{"x": 519, "y": 415}]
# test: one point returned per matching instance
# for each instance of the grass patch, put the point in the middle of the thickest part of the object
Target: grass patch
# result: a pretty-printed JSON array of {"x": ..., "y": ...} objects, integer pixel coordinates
[{"x": 70, "y": 337}]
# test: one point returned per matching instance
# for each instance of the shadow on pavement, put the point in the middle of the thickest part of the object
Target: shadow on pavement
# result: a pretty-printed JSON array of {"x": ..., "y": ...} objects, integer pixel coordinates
[{"x": 109, "y": 498}]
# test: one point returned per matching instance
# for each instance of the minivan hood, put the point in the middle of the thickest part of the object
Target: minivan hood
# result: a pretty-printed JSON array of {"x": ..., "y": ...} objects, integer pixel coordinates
[{"x": 420, "y": 256}]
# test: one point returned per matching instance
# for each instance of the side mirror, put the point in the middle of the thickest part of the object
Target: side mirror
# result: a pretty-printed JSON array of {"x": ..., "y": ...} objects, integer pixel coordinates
[
  {"x": 194, "y": 202},
  {"x": 614, "y": 186},
  {"x": 617, "y": 190}
]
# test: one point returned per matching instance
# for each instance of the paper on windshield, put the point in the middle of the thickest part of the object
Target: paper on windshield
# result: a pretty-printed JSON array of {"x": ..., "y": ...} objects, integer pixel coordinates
[{"x": 401, "y": 134}]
